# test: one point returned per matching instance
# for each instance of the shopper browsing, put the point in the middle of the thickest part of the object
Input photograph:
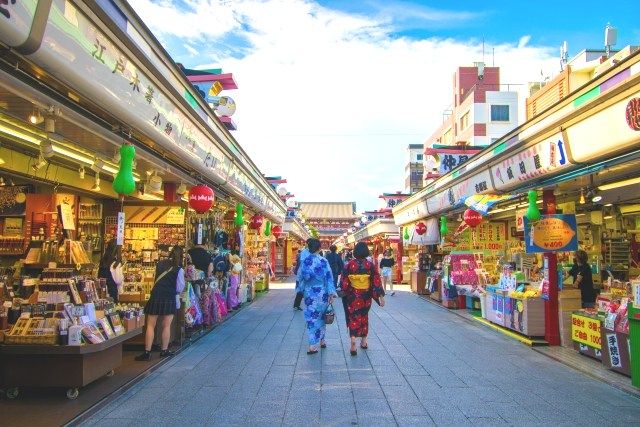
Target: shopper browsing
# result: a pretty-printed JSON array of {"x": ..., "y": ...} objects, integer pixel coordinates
[
  {"x": 111, "y": 269},
  {"x": 386, "y": 267},
  {"x": 164, "y": 302}
]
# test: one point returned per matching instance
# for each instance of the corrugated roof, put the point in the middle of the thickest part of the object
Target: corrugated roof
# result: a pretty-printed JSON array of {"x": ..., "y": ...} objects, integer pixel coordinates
[{"x": 328, "y": 209}]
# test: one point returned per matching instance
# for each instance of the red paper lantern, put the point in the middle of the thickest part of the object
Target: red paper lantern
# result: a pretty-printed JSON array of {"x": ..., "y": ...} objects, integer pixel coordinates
[
  {"x": 201, "y": 198},
  {"x": 421, "y": 228},
  {"x": 472, "y": 218},
  {"x": 277, "y": 231},
  {"x": 256, "y": 222}
]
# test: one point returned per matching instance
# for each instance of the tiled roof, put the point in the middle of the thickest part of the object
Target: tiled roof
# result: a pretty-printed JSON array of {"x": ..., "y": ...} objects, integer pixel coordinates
[{"x": 328, "y": 209}]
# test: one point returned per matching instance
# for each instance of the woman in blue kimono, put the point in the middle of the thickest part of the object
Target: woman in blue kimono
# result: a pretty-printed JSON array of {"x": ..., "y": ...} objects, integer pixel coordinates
[{"x": 315, "y": 281}]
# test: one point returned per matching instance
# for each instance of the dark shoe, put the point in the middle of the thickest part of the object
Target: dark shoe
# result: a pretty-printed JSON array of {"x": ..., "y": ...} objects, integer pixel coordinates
[
  {"x": 393, "y": 293},
  {"x": 312, "y": 351},
  {"x": 297, "y": 308},
  {"x": 166, "y": 353},
  {"x": 144, "y": 357},
  {"x": 354, "y": 352},
  {"x": 364, "y": 347},
  {"x": 323, "y": 345}
]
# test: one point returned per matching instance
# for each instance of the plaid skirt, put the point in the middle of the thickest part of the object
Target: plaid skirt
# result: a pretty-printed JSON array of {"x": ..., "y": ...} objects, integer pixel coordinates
[{"x": 160, "y": 306}]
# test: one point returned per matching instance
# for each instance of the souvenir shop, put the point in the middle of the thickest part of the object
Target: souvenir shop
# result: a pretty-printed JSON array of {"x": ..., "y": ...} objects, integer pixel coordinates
[
  {"x": 134, "y": 158},
  {"x": 509, "y": 223},
  {"x": 293, "y": 239},
  {"x": 381, "y": 234}
]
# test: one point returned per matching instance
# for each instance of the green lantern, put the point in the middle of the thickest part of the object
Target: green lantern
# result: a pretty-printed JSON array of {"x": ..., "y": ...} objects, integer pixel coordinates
[
  {"x": 123, "y": 183},
  {"x": 239, "y": 221},
  {"x": 267, "y": 229},
  {"x": 533, "y": 213},
  {"x": 406, "y": 233},
  {"x": 443, "y": 226}
]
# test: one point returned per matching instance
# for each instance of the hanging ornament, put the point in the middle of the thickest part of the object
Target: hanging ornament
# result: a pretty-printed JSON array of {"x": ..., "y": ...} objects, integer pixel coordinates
[
  {"x": 472, "y": 218},
  {"x": 443, "y": 226},
  {"x": 123, "y": 183},
  {"x": 256, "y": 222},
  {"x": 201, "y": 198},
  {"x": 533, "y": 213},
  {"x": 239, "y": 221},
  {"x": 277, "y": 231},
  {"x": 406, "y": 233},
  {"x": 421, "y": 228},
  {"x": 267, "y": 229}
]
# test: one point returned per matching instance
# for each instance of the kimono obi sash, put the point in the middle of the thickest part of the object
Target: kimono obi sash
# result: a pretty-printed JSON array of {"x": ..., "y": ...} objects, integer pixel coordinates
[{"x": 360, "y": 281}]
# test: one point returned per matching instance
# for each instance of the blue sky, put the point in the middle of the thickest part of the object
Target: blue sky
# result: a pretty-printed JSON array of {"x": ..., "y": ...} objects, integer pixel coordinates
[{"x": 332, "y": 92}]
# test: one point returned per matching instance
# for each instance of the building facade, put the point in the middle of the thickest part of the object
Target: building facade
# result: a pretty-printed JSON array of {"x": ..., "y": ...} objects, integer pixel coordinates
[
  {"x": 414, "y": 169},
  {"x": 331, "y": 219}
]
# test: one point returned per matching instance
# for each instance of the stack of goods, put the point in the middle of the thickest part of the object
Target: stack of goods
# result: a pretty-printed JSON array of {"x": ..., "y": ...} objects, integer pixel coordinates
[{"x": 70, "y": 252}]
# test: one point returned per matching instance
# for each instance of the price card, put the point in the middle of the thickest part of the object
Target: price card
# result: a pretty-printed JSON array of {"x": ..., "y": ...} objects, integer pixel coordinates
[
  {"x": 636, "y": 293},
  {"x": 120, "y": 229},
  {"x": 200, "y": 233}
]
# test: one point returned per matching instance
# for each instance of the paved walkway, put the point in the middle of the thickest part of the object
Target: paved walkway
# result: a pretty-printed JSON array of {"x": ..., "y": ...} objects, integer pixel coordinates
[{"x": 424, "y": 366}]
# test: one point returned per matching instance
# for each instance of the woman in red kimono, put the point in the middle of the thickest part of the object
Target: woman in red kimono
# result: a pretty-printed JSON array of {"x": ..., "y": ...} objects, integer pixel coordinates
[{"x": 360, "y": 283}]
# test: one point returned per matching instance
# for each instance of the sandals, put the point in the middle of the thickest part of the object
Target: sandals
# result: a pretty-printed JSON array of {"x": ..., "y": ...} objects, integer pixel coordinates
[
  {"x": 323, "y": 345},
  {"x": 364, "y": 347},
  {"x": 312, "y": 351}
]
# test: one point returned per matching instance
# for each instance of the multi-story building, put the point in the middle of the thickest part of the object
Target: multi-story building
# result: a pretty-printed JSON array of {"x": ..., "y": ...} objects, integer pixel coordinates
[
  {"x": 414, "y": 169},
  {"x": 482, "y": 111}
]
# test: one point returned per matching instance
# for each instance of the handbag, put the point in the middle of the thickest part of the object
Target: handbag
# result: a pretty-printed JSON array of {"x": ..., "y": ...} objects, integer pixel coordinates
[{"x": 329, "y": 315}]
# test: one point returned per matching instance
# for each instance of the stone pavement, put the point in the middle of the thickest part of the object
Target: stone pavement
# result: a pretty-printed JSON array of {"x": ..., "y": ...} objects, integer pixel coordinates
[{"x": 424, "y": 366}]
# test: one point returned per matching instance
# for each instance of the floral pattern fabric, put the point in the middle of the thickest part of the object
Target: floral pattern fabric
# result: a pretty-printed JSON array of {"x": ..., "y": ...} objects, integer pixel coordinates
[
  {"x": 358, "y": 301},
  {"x": 315, "y": 281}
]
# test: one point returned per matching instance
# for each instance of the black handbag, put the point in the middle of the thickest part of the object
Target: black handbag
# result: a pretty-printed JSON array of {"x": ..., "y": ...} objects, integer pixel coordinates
[{"x": 329, "y": 315}]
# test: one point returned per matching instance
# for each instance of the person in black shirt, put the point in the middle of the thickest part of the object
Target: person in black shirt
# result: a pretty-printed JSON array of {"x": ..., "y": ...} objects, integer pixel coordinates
[
  {"x": 335, "y": 262},
  {"x": 584, "y": 280},
  {"x": 386, "y": 266},
  {"x": 110, "y": 262},
  {"x": 201, "y": 259}
]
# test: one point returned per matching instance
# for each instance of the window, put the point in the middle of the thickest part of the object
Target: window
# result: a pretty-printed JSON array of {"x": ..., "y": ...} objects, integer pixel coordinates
[
  {"x": 499, "y": 113},
  {"x": 464, "y": 121},
  {"x": 447, "y": 137},
  {"x": 419, "y": 157}
]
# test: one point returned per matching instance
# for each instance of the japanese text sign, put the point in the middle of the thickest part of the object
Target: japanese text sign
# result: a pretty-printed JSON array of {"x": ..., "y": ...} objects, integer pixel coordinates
[
  {"x": 553, "y": 233},
  {"x": 586, "y": 330},
  {"x": 614, "y": 350}
]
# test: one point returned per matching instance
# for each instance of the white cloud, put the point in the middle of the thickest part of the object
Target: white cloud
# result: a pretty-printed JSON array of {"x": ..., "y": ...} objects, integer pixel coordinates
[{"x": 329, "y": 100}]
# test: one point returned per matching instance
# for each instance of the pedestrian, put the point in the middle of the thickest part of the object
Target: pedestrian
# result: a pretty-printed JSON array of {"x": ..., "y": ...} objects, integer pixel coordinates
[
  {"x": 299, "y": 295},
  {"x": 111, "y": 269},
  {"x": 335, "y": 262},
  {"x": 360, "y": 284},
  {"x": 234, "y": 282},
  {"x": 386, "y": 268},
  {"x": 584, "y": 280},
  {"x": 315, "y": 280},
  {"x": 164, "y": 302},
  {"x": 202, "y": 259}
]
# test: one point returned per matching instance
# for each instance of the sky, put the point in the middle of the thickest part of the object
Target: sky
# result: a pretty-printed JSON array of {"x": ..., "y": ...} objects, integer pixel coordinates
[{"x": 331, "y": 93}]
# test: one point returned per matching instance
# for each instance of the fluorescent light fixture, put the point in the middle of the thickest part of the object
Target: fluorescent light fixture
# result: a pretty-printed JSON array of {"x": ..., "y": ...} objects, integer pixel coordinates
[
  {"x": 607, "y": 217},
  {"x": 609, "y": 204},
  {"x": 18, "y": 134},
  {"x": 581, "y": 214},
  {"x": 622, "y": 183},
  {"x": 72, "y": 154}
]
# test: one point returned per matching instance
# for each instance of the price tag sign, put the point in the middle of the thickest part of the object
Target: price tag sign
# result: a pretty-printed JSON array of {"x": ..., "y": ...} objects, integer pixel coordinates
[
  {"x": 120, "y": 229},
  {"x": 635, "y": 291},
  {"x": 66, "y": 215},
  {"x": 586, "y": 330},
  {"x": 200, "y": 233},
  {"x": 553, "y": 233}
]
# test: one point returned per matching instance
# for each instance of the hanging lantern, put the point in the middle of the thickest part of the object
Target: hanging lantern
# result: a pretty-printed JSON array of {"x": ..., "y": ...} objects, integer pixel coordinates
[
  {"x": 406, "y": 233},
  {"x": 123, "y": 183},
  {"x": 533, "y": 213},
  {"x": 443, "y": 226},
  {"x": 201, "y": 198},
  {"x": 256, "y": 222},
  {"x": 239, "y": 221},
  {"x": 472, "y": 218},
  {"x": 267, "y": 229},
  {"x": 277, "y": 231},
  {"x": 421, "y": 228}
]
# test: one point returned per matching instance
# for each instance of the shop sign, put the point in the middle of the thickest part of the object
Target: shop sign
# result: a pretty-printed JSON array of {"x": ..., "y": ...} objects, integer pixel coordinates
[
  {"x": 120, "y": 229},
  {"x": 413, "y": 212},
  {"x": 635, "y": 291},
  {"x": 633, "y": 114},
  {"x": 479, "y": 183},
  {"x": 105, "y": 74},
  {"x": 431, "y": 237},
  {"x": 520, "y": 219},
  {"x": 16, "y": 19},
  {"x": 606, "y": 132},
  {"x": 546, "y": 157},
  {"x": 199, "y": 234},
  {"x": 586, "y": 330},
  {"x": 449, "y": 162},
  {"x": 614, "y": 350},
  {"x": 66, "y": 216},
  {"x": 175, "y": 216},
  {"x": 553, "y": 233}
]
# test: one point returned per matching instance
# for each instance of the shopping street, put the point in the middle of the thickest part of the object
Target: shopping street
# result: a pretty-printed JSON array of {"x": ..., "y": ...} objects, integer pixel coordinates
[{"x": 424, "y": 366}]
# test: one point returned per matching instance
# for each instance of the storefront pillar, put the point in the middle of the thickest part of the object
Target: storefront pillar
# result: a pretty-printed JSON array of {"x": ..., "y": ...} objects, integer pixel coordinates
[
  {"x": 399, "y": 253},
  {"x": 551, "y": 319}
]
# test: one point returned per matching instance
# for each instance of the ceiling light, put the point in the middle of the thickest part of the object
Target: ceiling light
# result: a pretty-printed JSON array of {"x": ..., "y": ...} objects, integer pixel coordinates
[
  {"x": 72, "y": 154},
  {"x": 49, "y": 125},
  {"x": 19, "y": 134},
  {"x": 608, "y": 217},
  {"x": 96, "y": 184},
  {"x": 47, "y": 149},
  {"x": 97, "y": 165},
  {"x": 182, "y": 189},
  {"x": 609, "y": 204},
  {"x": 41, "y": 162},
  {"x": 116, "y": 156},
  {"x": 582, "y": 201},
  {"x": 622, "y": 183},
  {"x": 81, "y": 172},
  {"x": 2, "y": 183},
  {"x": 596, "y": 198},
  {"x": 155, "y": 182},
  {"x": 36, "y": 118}
]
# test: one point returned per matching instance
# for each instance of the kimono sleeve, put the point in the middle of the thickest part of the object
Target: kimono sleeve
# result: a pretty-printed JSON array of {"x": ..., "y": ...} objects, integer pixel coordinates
[
  {"x": 344, "y": 278},
  {"x": 328, "y": 277},
  {"x": 377, "y": 290}
]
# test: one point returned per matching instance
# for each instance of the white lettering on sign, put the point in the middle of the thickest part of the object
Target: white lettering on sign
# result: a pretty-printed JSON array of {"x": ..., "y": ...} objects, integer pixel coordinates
[
  {"x": 614, "y": 351},
  {"x": 200, "y": 233}
]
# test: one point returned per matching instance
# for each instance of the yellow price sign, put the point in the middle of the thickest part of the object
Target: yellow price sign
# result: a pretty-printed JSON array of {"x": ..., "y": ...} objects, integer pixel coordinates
[{"x": 586, "y": 330}]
